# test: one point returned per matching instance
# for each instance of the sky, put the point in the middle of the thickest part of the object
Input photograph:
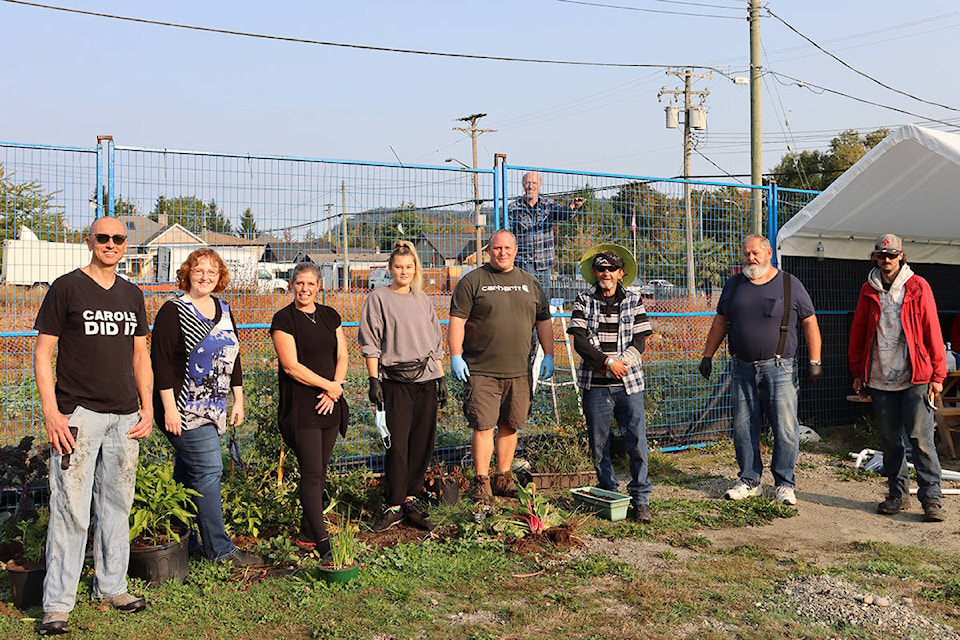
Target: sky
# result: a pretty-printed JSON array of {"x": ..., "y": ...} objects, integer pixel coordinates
[{"x": 68, "y": 78}]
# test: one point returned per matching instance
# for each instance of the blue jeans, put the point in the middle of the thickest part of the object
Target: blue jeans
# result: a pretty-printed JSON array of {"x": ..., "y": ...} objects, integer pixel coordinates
[
  {"x": 765, "y": 390},
  {"x": 103, "y": 467},
  {"x": 599, "y": 405},
  {"x": 906, "y": 414},
  {"x": 199, "y": 466},
  {"x": 542, "y": 275}
]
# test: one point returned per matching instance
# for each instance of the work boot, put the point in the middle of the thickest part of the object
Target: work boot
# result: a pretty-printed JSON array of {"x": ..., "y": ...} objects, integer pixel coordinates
[
  {"x": 933, "y": 512},
  {"x": 125, "y": 603},
  {"x": 481, "y": 490},
  {"x": 503, "y": 484},
  {"x": 891, "y": 505},
  {"x": 641, "y": 513},
  {"x": 243, "y": 559},
  {"x": 54, "y": 623}
]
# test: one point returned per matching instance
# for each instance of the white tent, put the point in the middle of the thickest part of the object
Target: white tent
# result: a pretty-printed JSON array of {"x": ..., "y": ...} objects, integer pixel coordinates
[{"x": 909, "y": 184}]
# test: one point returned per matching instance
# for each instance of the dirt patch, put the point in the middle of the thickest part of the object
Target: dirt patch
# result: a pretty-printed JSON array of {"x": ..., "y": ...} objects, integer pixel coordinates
[
  {"x": 832, "y": 513},
  {"x": 641, "y": 554}
]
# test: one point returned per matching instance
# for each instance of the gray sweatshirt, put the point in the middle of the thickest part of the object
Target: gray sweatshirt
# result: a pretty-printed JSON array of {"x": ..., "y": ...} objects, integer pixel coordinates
[
  {"x": 889, "y": 360},
  {"x": 401, "y": 327}
]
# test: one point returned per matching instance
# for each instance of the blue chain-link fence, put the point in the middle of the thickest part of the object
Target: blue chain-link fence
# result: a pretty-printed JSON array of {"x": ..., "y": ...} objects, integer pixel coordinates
[{"x": 265, "y": 213}]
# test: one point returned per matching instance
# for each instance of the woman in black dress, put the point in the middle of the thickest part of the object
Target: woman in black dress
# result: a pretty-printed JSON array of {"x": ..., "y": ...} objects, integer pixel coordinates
[{"x": 312, "y": 351}]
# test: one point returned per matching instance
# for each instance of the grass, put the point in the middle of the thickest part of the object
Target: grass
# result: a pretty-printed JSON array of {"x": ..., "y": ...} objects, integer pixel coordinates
[{"x": 679, "y": 586}]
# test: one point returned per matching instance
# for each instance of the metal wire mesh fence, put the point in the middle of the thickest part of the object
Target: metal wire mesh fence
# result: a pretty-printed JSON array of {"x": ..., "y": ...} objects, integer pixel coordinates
[{"x": 264, "y": 214}]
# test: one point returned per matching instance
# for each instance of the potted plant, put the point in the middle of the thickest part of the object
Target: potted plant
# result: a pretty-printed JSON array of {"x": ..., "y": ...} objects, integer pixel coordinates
[
  {"x": 163, "y": 510},
  {"x": 27, "y": 571},
  {"x": 443, "y": 484},
  {"x": 343, "y": 565},
  {"x": 559, "y": 459}
]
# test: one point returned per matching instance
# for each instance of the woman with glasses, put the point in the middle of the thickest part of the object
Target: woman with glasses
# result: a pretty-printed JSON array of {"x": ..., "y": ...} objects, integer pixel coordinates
[
  {"x": 312, "y": 352},
  {"x": 400, "y": 339},
  {"x": 195, "y": 354}
]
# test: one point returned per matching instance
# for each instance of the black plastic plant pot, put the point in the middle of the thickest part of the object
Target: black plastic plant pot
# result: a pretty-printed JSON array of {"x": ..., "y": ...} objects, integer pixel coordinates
[
  {"x": 27, "y": 586},
  {"x": 451, "y": 492},
  {"x": 158, "y": 564}
]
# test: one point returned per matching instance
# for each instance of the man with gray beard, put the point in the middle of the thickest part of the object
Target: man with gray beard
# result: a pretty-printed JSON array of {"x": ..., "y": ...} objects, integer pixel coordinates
[{"x": 758, "y": 312}]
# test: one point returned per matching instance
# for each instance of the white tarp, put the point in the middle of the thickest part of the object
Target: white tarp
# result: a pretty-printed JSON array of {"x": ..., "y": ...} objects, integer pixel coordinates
[{"x": 909, "y": 184}]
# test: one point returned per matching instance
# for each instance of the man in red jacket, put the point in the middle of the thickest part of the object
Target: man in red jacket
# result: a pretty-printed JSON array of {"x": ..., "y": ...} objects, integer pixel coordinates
[{"x": 896, "y": 351}]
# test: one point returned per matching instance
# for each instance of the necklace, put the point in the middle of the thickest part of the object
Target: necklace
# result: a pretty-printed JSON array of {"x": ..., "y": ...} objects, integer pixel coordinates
[{"x": 312, "y": 317}]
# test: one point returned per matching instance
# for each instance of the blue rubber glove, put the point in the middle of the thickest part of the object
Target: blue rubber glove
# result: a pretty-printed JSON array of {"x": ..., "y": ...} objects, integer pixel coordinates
[
  {"x": 460, "y": 369},
  {"x": 546, "y": 367}
]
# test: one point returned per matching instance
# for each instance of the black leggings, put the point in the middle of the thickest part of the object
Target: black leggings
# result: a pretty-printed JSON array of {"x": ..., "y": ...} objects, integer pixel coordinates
[
  {"x": 313, "y": 448},
  {"x": 411, "y": 409}
]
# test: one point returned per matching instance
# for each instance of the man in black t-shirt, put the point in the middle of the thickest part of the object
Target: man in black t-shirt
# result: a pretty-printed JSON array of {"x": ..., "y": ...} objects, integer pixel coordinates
[
  {"x": 763, "y": 386},
  {"x": 98, "y": 324}
]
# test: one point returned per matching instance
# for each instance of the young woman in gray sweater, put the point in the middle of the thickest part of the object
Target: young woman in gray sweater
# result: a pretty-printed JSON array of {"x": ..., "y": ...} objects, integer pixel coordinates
[{"x": 400, "y": 339}]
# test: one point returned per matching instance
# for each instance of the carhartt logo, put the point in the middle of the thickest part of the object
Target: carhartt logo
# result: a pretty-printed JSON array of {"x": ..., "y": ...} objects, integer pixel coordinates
[
  {"x": 526, "y": 288},
  {"x": 885, "y": 241}
]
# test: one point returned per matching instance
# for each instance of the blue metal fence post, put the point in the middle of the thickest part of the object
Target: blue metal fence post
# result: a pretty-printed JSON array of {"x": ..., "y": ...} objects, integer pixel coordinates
[
  {"x": 496, "y": 198},
  {"x": 110, "y": 175},
  {"x": 772, "y": 218},
  {"x": 503, "y": 195},
  {"x": 98, "y": 190}
]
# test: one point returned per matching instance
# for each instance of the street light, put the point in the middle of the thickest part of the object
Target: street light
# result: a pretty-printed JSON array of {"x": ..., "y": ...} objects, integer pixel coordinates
[{"x": 457, "y": 161}]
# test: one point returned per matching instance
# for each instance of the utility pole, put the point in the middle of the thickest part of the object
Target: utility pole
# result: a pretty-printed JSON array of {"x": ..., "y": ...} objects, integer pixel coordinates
[
  {"x": 343, "y": 221},
  {"x": 691, "y": 120},
  {"x": 474, "y": 133},
  {"x": 756, "y": 133}
]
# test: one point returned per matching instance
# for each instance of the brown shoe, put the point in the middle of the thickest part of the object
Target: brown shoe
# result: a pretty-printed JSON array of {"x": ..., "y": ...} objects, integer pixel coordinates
[
  {"x": 481, "y": 489},
  {"x": 503, "y": 484},
  {"x": 933, "y": 512}
]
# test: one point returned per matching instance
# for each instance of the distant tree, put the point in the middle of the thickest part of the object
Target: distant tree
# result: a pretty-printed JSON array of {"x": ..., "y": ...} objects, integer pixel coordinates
[
  {"x": 28, "y": 204},
  {"x": 816, "y": 170},
  {"x": 191, "y": 213},
  {"x": 121, "y": 207},
  {"x": 405, "y": 224},
  {"x": 248, "y": 225}
]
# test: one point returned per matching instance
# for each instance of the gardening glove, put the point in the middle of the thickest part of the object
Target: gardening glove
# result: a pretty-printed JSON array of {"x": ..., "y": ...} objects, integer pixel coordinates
[
  {"x": 814, "y": 371},
  {"x": 442, "y": 391},
  {"x": 706, "y": 367},
  {"x": 459, "y": 367},
  {"x": 546, "y": 367},
  {"x": 375, "y": 392}
]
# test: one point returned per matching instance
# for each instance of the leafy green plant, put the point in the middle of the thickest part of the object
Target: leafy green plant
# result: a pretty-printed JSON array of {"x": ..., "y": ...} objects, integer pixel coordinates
[
  {"x": 32, "y": 536},
  {"x": 534, "y": 516},
  {"x": 346, "y": 546},
  {"x": 159, "y": 504},
  {"x": 562, "y": 450},
  {"x": 278, "y": 550}
]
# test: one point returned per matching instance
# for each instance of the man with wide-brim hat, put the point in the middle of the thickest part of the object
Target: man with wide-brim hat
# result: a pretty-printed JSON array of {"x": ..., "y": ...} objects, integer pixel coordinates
[{"x": 609, "y": 327}]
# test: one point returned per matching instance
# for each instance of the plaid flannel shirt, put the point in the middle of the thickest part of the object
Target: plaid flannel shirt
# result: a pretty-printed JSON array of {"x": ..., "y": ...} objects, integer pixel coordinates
[
  {"x": 630, "y": 320},
  {"x": 533, "y": 227}
]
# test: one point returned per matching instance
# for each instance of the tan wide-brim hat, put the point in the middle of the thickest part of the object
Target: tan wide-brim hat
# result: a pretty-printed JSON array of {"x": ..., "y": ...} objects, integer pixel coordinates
[{"x": 629, "y": 264}]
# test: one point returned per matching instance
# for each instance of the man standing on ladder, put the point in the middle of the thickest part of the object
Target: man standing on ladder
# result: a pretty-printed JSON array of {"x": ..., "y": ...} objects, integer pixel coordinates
[{"x": 609, "y": 327}]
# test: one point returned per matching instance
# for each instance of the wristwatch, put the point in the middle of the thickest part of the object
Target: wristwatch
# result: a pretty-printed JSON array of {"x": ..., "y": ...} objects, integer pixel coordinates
[{"x": 816, "y": 362}]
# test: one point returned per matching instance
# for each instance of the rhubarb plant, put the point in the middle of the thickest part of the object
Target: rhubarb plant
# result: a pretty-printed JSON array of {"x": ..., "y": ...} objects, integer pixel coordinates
[{"x": 534, "y": 516}]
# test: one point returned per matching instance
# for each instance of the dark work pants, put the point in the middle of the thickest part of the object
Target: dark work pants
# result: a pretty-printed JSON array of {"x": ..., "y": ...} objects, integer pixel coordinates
[
  {"x": 313, "y": 448},
  {"x": 411, "y": 409}
]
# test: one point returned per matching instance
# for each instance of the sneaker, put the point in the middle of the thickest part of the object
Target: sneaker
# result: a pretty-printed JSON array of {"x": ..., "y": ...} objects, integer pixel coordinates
[
  {"x": 481, "y": 490},
  {"x": 125, "y": 603},
  {"x": 933, "y": 512},
  {"x": 415, "y": 516},
  {"x": 743, "y": 489},
  {"x": 322, "y": 549},
  {"x": 242, "y": 559},
  {"x": 503, "y": 484},
  {"x": 891, "y": 505},
  {"x": 389, "y": 519},
  {"x": 641, "y": 514},
  {"x": 54, "y": 623},
  {"x": 786, "y": 495}
]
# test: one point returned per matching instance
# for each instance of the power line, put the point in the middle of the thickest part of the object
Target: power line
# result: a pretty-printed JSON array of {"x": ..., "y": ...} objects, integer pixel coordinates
[
  {"x": 809, "y": 85},
  {"x": 857, "y": 71},
  {"x": 364, "y": 47},
  {"x": 662, "y": 11}
]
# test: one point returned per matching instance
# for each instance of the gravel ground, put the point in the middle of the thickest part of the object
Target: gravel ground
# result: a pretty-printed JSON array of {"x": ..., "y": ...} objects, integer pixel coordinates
[{"x": 828, "y": 600}]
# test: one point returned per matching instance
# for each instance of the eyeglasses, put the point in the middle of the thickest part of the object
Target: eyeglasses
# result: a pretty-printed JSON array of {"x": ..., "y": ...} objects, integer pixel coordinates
[
  {"x": 881, "y": 255},
  {"x": 606, "y": 268},
  {"x": 211, "y": 273},
  {"x": 104, "y": 238}
]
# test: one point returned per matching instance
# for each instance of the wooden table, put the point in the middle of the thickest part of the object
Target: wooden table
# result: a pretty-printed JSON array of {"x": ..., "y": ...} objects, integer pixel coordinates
[{"x": 947, "y": 406}]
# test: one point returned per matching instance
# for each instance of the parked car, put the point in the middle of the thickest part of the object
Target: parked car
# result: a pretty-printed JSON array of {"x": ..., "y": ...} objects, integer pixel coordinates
[
  {"x": 645, "y": 289},
  {"x": 379, "y": 278},
  {"x": 663, "y": 288},
  {"x": 267, "y": 283}
]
